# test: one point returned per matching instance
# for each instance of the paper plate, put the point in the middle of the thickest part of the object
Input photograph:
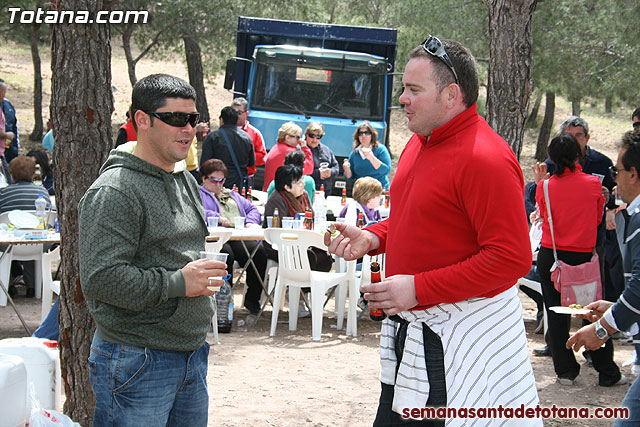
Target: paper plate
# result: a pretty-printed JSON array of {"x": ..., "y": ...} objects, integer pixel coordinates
[
  {"x": 569, "y": 310},
  {"x": 22, "y": 219}
]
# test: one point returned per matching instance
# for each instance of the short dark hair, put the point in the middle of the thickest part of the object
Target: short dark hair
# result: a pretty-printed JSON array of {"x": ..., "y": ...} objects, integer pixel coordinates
[
  {"x": 213, "y": 165},
  {"x": 631, "y": 144},
  {"x": 287, "y": 175},
  {"x": 464, "y": 64},
  {"x": 636, "y": 113},
  {"x": 564, "y": 150},
  {"x": 295, "y": 157},
  {"x": 151, "y": 93},
  {"x": 229, "y": 116}
]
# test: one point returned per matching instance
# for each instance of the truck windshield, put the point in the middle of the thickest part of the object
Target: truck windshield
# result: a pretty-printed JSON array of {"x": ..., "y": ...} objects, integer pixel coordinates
[{"x": 322, "y": 82}]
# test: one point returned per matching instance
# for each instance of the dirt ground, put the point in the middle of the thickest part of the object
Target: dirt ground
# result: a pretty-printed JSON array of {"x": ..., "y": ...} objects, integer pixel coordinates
[{"x": 289, "y": 380}]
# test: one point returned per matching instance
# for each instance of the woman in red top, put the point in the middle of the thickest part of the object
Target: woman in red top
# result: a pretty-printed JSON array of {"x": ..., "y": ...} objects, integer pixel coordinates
[{"x": 576, "y": 206}]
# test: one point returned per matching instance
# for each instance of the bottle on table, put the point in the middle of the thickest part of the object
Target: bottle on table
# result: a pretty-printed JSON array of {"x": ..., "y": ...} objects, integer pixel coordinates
[
  {"x": 37, "y": 176},
  {"x": 224, "y": 307},
  {"x": 343, "y": 202},
  {"x": 387, "y": 199},
  {"x": 41, "y": 211},
  {"x": 360, "y": 223},
  {"x": 322, "y": 188},
  {"x": 376, "y": 313},
  {"x": 308, "y": 220},
  {"x": 244, "y": 192},
  {"x": 249, "y": 194},
  {"x": 275, "y": 221},
  {"x": 235, "y": 188}
]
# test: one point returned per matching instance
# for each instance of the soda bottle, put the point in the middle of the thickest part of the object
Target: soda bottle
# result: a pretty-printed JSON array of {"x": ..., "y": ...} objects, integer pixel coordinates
[
  {"x": 308, "y": 220},
  {"x": 343, "y": 202},
  {"x": 37, "y": 176},
  {"x": 387, "y": 199},
  {"x": 244, "y": 193},
  {"x": 322, "y": 188},
  {"x": 41, "y": 211},
  {"x": 360, "y": 222},
  {"x": 224, "y": 304},
  {"x": 235, "y": 188},
  {"x": 275, "y": 221},
  {"x": 249, "y": 194},
  {"x": 375, "y": 313}
]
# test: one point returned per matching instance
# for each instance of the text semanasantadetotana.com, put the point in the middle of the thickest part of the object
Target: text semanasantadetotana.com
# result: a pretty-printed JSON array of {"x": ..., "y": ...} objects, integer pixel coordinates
[
  {"x": 517, "y": 412},
  {"x": 42, "y": 16}
]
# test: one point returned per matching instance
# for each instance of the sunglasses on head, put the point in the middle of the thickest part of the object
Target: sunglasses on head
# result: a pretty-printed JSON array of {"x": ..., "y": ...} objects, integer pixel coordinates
[
  {"x": 314, "y": 136},
  {"x": 176, "y": 119},
  {"x": 433, "y": 46},
  {"x": 216, "y": 180},
  {"x": 364, "y": 132}
]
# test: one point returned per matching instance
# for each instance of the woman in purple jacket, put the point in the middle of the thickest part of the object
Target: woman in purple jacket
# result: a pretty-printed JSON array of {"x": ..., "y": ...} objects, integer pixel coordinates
[{"x": 220, "y": 202}]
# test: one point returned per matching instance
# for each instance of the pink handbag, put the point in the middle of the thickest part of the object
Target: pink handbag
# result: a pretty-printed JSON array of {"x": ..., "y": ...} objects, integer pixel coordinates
[{"x": 577, "y": 284}]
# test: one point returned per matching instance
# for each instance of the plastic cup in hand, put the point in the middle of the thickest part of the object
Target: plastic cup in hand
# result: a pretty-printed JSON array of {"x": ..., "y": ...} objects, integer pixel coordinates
[
  {"x": 269, "y": 221},
  {"x": 217, "y": 256},
  {"x": 212, "y": 222},
  {"x": 238, "y": 222},
  {"x": 619, "y": 201}
]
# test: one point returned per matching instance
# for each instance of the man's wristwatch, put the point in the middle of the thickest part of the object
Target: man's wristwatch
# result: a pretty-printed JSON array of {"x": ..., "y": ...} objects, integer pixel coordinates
[{"x": 601, "y": 331}]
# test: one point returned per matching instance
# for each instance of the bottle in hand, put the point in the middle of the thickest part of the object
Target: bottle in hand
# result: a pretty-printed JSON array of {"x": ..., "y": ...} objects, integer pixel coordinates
[{"x": 375, "y": 313}]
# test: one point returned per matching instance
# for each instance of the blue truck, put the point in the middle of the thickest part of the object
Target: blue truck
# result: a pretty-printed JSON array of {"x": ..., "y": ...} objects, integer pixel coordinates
[{"x": 337, "y": 75}]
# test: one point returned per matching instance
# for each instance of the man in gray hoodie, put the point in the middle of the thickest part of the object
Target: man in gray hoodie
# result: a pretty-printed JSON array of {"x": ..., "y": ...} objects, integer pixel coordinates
[{"x": 142, "y": 228}]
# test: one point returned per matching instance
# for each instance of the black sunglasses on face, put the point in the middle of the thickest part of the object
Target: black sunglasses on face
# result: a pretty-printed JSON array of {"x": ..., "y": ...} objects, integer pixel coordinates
[
  {"x": 314, "y": 136},
  {"x": 636, "y": 125},
  {"x": 176, "y": 119},
  {"x": 615, "y": 171},
  {"x": 364, "y": 132},
  {"x": 433, "y": 46}
]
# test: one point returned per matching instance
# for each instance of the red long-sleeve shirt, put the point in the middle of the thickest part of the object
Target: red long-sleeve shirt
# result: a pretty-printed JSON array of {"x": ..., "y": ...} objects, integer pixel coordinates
[
  {"x": 275, "y": 159},
  {"x": 576, "y": 208},
  {"x": 258, "y": 146},
  {"x": 457, "y": 222}
]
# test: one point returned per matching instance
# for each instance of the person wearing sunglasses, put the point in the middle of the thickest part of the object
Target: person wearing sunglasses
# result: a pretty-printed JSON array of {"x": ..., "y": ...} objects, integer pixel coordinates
[
  {"x": 368, "y": 158},
  {"x": 289, "y": 139},
  {"x": 456, "y": 243},
  {"x": 226, "y": 204},
  {"x": 233, "y": 146},
  {"x": 635, "y": 119},
  {"x": 325, "y": 165},
  {"x": 141, "y": 230}
]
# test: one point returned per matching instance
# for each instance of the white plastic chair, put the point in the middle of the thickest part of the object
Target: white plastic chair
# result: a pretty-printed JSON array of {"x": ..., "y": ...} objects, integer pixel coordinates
[
  {"x": 294, "y": 271},
  {"x": 48, "y": 284},
  {"x": 223, "y": 236}
]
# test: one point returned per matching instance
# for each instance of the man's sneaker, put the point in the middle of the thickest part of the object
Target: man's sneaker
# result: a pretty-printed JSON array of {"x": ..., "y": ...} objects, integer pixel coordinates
[
  {"x": 542, "y": 351},
  {"x": 539, "y": 323},
  {"x": 565, "y": 381},
  {"x": 302, "y": 309},
  {"x": 622, "y": 381}
]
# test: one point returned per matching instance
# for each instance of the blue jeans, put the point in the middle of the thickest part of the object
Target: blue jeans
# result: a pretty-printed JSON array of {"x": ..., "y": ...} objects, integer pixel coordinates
[
  {"x": 631, "y": 401},
  {"x": 138, "y": 386}
]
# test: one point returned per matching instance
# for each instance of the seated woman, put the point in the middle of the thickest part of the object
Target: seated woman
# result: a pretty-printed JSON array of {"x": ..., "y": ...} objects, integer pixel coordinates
[
  {"x": 291, "y": 198},
  {"x": 368, "y": 158},
  {"x": 225, "y": 204},
  {"x": 367, "y": 192},
  {"x": 46, "y": 170},
  {"x": 296, "y": 158}
]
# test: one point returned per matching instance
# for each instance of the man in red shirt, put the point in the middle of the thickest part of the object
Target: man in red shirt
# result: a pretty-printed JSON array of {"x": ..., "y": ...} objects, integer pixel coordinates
[
  {"x": 240, "y": 104},
  {"x": 456, "y": 242}
]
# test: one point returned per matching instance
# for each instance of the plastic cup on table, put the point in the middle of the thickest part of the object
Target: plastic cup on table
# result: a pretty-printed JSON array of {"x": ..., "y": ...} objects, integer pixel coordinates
[
  {"x": 287, "y": 222},
  {"x": 217, "y": 256},
  {"x": 212, "y": 222},
  {"x": 238, "y": 222},
  {"x": 298, "y": 224},
  {"x": 269, "y": 221}
]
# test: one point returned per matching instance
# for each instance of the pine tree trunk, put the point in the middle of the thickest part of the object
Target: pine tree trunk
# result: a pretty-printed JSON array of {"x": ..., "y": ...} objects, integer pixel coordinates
[
  {"x": 608, "y": 104},
  {"x": 196, "y": 79},
  {"x": 510, "y": 68},
  {"x": 34, "y": 38},
  {"x": 81, "y": 108},
  {"x": 545, "y": 129},
  {"x": 575, "y": 107},
  {"x": 533, "y": 116}
]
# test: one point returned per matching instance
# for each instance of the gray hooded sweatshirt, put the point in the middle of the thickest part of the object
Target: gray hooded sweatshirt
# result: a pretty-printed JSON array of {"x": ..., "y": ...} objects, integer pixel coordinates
[{"x": 139, "y": 225}]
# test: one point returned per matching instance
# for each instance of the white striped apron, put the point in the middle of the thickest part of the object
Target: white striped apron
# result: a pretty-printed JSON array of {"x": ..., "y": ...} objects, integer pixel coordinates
[{"x": 486, "y": 358}]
